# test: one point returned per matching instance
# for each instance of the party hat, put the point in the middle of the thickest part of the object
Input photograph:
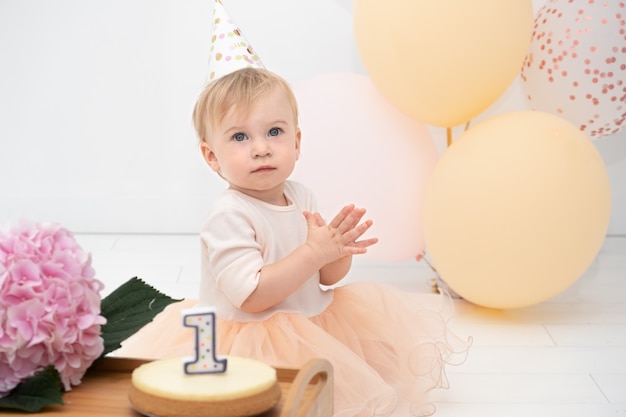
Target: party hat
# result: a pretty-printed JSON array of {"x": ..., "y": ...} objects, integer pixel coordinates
[{"x": 230, "y": 51}]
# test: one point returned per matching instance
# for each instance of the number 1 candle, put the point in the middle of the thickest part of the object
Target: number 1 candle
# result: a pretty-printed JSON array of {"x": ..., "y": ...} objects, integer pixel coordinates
[{"x": 203, "y": 320}]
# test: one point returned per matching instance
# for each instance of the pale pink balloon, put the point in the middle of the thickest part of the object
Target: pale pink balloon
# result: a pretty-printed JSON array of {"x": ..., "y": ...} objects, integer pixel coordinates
[
  {"x": 576, "y": 65},
  {"x": 358, "y": 148}
]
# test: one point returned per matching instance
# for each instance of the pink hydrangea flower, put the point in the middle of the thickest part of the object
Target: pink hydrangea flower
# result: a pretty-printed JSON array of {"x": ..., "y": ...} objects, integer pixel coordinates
[{"x": 49, "y": 305}]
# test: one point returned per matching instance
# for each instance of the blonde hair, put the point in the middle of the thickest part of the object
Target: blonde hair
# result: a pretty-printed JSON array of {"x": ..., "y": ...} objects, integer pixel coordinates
[{"x": 240, "y": 89}]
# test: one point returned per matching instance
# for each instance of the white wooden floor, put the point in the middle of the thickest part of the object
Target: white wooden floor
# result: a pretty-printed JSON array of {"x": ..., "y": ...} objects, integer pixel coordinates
[{"x": 564, "y": 357}]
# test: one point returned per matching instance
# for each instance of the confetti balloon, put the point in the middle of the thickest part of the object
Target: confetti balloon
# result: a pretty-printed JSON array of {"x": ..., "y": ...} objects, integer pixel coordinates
[{"x": 576, "y": 64}]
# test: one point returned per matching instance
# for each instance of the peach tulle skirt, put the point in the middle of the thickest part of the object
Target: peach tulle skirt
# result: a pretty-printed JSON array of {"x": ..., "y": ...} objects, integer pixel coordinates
[{"x": 387, "y": 347}]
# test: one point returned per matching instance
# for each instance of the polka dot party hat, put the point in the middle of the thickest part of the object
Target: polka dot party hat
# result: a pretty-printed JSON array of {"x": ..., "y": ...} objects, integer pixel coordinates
[{"x": 230, "y": 51}]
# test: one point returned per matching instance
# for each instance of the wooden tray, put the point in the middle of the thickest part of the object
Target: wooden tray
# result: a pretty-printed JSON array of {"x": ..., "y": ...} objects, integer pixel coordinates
[{"x": 307, "y": 392}]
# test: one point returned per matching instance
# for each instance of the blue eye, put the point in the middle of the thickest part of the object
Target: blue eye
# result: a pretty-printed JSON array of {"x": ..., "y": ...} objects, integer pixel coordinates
[
  {"x": 274, "y": 131},
  {"x": 239, "y": 137}
]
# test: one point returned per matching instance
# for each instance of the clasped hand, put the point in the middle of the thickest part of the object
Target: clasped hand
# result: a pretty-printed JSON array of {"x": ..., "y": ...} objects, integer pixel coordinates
[{"x": 340, "y": 237}]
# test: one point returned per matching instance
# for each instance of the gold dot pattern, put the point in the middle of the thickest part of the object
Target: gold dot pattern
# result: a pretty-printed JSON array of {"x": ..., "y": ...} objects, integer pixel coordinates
[{"x": 229, "y": 51}]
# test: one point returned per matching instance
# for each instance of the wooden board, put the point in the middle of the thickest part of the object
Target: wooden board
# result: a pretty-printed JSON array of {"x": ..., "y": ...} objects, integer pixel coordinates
[{"x": 104, "y": 392}]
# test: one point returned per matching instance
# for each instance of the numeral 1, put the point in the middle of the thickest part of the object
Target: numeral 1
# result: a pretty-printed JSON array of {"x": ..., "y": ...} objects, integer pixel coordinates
[{"x": 203, "y": 320}]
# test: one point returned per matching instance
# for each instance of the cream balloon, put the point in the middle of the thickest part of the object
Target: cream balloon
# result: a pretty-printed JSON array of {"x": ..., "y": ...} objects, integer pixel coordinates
[
  {"x": 576, "y": 65},
  {"x": 516, "y": 209},
  {"x": 357, "y": 148},
  {"x": 443, "y": 61}
]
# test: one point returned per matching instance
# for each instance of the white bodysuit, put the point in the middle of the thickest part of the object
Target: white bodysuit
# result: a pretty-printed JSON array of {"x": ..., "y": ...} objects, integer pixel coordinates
[{"x": 239, "y": 236}]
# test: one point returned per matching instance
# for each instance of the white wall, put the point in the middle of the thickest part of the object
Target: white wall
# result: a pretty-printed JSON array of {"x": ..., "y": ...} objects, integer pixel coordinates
[{"x": 96, "y": 97}]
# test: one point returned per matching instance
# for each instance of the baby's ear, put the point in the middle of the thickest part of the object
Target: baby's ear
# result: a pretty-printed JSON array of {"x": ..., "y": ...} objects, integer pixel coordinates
[
  {"x": 298, "y": 138},
  {"x": 209, "y": 156}
]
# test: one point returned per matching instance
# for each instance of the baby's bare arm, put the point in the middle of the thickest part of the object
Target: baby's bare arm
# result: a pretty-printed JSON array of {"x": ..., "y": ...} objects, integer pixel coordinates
[{"x": 328, "y": 249}]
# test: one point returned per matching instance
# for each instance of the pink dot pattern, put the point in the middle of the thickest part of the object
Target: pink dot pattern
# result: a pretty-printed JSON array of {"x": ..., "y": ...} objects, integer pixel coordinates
[
  {"x": 576, "y": 64},
  {"x": 229, "y": 51}
]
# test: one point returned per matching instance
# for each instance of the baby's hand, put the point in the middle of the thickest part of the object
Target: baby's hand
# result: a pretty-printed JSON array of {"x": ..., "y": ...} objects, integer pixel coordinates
[{"x": 340, "y": 237}]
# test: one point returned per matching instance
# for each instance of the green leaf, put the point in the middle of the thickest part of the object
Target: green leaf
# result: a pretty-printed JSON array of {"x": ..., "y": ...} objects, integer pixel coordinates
[
  {"x": 36, "y": 392},
  {"x": 127, "y": 309}
]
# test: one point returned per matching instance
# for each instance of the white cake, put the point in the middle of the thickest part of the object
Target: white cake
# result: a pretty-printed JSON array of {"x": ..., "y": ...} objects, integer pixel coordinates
[{"x": 162, "y": 388}]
